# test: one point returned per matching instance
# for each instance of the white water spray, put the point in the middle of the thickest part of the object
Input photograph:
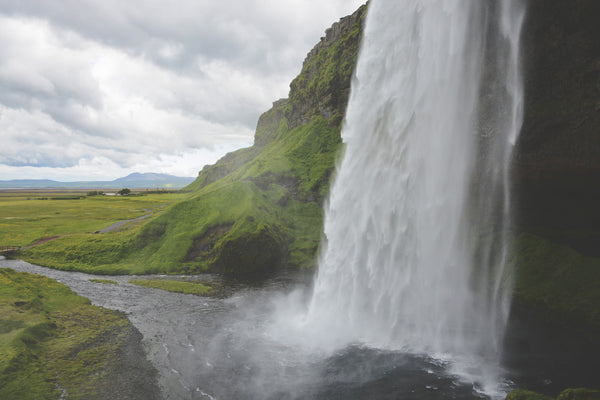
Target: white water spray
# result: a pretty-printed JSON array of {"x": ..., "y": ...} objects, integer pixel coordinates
[{"x": 415, "y": 227}]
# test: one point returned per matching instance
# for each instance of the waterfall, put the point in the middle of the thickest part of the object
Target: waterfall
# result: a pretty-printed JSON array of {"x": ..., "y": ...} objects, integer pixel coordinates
[{"x": 415, "y": 227}]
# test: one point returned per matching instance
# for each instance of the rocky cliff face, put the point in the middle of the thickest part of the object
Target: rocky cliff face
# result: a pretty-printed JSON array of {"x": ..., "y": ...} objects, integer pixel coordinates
[
  {"x": 557, "y": 190},
  {"x": 557, "y": 163},
  {"x": 323, "y": 86},
  {"x": 321, "y": 89}
]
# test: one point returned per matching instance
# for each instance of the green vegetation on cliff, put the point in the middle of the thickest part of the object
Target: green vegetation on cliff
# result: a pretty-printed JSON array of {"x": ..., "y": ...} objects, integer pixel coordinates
[
  {"x": 323, "y": 86},
  {"x": 256, "y": 218},
  {"x": 260, "y": 208}
]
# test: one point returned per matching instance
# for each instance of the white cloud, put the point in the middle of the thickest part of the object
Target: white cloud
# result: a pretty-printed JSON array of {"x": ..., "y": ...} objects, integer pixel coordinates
[{"x": 102, "y": 87}]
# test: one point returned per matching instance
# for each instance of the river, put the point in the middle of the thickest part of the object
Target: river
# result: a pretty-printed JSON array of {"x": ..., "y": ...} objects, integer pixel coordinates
[
  {"x": 207, "y": 348},
  {"x": 232, "y": 348}
]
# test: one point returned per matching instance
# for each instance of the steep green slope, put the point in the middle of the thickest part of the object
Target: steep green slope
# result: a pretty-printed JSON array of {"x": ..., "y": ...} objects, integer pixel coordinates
[{"x": 258, "y": 217}]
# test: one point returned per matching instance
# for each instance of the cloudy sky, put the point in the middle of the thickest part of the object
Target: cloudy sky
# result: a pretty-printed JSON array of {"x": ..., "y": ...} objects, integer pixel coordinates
[{"x": 97, "y": 89}]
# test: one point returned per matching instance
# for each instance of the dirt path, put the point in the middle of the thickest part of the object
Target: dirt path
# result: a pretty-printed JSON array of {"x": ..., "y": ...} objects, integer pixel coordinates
[
  {"x": 41, "y": 241},
  {"x": 118, "y": 225},
  {"x": 111, "y": 228}
]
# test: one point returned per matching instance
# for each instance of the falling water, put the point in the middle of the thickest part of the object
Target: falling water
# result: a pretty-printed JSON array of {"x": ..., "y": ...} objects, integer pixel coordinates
[{"x": 415, "y": 229}]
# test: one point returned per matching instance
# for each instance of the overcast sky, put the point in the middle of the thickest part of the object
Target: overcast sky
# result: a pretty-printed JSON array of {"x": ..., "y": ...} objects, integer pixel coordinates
[{"x": 97, "y": 89}]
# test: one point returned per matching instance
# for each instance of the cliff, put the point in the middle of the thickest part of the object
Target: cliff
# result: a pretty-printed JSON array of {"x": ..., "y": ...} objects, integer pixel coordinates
[
  {"x": 323, "y": 86},
  {"x": 556, "y": 175},
  {"x": 259, "y": 209},
  {"x": 557, "y": 164}
]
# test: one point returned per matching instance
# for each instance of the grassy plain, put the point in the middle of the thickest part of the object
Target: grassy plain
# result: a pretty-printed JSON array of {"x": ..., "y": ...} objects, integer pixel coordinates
[
  {"x": 70, "y": 218},
  {"x": 28, "y": 216}
]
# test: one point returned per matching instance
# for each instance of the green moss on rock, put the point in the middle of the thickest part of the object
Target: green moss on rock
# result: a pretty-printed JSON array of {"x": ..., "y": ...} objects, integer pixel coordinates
[
  {"x": 579, "y": 394},
  {"x": 520, "y": 394},
  {"x": 559, "y": 284},
  {"x": 323, "y": 86},
  {"x": 567, "y": 394}
]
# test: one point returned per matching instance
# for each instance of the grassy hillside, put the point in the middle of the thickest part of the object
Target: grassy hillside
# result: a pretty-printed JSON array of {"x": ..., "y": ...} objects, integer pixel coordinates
[{"x": 263, "y": 214}]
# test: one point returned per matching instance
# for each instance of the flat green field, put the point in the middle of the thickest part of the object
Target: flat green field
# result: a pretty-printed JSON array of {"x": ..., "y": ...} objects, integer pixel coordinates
[
  {"x": 64, "y": 229},
  {"x": 28, "y": 216}
]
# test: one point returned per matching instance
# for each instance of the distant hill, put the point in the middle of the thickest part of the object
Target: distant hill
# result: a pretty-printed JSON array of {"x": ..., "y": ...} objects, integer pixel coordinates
[{"x": 136, "y": 180}]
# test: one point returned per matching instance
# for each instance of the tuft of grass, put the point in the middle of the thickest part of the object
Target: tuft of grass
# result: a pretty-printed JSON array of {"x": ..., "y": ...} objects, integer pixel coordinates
[
  {"x": 195, "y": 288},
  {"x": 104, "y": 281},
  {"x": 579, "y": 394}
]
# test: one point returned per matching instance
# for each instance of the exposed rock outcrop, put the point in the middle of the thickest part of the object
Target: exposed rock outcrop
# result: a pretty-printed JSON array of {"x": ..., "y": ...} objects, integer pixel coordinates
[
  {"x": 323, "y": 86},
  {"x": 269, "y": 122}
]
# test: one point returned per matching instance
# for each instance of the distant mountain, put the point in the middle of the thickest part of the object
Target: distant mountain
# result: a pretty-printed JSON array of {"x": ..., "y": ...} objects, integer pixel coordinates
[
  {"x": 155, "y": 178},
  {"x": 136, "y": 180}
]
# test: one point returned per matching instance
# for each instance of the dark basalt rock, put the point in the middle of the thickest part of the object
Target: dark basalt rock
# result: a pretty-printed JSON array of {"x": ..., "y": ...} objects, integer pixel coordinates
[{"x": 557, "y": 160}]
